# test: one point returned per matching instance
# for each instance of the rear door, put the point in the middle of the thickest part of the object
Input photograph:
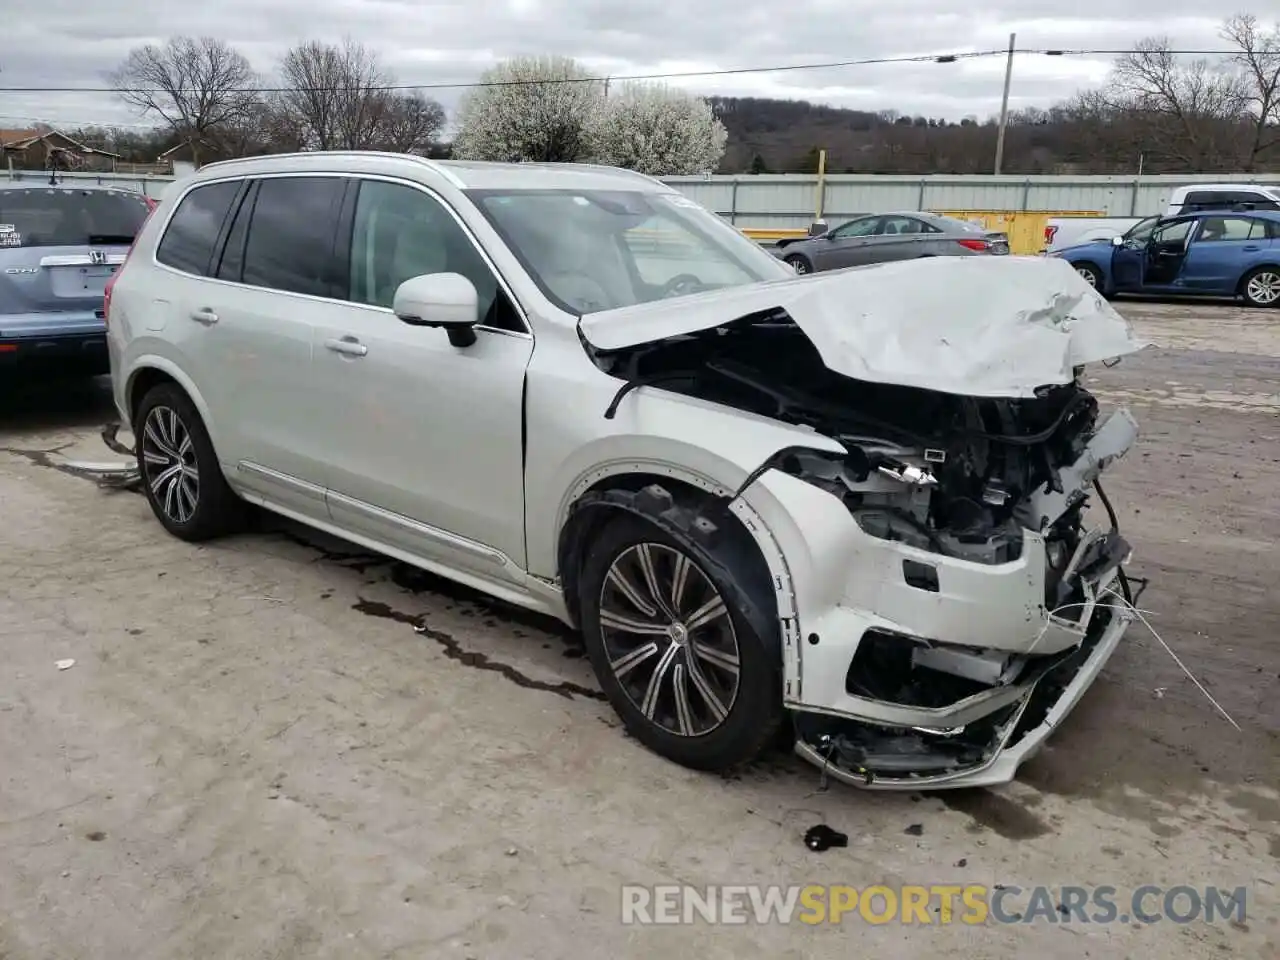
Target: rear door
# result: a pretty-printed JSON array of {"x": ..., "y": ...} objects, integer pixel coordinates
[
  {"x": 1220, "y": 251},
  {"x": 58, "y": 247},
  {"x": 275, "y": 282}
]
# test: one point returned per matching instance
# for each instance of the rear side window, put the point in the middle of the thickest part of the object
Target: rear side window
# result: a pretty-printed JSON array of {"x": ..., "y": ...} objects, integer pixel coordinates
[
  {"x": 291, "y": 234},
  {"x": 191, "y": 235},
  {"x": 67, "y": 217}
]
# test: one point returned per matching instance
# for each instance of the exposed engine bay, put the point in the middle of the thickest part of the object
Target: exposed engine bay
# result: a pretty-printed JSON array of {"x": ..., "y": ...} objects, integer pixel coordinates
[
  {"x": 942, "y": 472},
  {"x": 955, "y": 476}
]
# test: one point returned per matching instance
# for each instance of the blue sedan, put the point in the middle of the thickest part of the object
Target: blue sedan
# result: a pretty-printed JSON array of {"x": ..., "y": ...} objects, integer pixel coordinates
[{"x": 1209, "y": 253}]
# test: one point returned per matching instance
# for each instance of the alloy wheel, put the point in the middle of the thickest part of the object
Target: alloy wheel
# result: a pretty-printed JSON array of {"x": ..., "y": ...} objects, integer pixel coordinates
[
  {"x": 669, "y": 639},
  {"x": 1089, "y": 275},
  {"x": 169, "y": 464},
  {"x": 1264, "y": 287}
]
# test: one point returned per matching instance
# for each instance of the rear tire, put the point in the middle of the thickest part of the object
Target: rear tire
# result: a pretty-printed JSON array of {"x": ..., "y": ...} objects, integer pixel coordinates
[
  {"x": 799, "y": 263},
  {"x": 181, "y": 476},
  {"x": 699, "y": 687},
  {"x": 1261, "y": 287}
]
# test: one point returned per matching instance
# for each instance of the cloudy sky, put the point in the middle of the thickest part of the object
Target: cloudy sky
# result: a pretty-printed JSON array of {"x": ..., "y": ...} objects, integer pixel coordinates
[{"x": 70, "y": 43}]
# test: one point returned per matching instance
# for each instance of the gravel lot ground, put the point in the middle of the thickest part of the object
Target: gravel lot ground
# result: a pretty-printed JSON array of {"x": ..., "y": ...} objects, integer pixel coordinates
[{"x": 255, "y": 755}]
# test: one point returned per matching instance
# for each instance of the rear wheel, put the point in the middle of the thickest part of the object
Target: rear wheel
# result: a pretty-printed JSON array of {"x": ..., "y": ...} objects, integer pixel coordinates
[
  {"x": 1261, "y": 287},
  {"x": 679, "y": 662},
  {"x": 181, "y": 475},
  {"x": 799, "y": 263}
]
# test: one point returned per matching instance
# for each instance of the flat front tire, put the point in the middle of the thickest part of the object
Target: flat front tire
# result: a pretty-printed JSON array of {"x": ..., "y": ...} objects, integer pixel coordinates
[
  {"x": 181, "y": 476},
  {"x": 689, "y": 676}
]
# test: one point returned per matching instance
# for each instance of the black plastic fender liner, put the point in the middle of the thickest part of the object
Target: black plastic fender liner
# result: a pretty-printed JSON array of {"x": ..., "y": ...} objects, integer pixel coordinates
[{"x": 702, "y": 525}]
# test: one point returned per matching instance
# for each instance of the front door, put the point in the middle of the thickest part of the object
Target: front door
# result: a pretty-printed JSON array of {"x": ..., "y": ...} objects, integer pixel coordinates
[
  {"x": 1166, "y": 251},
  {"x": 425, "y": 439},
  {"x": 846, "y": 245}
]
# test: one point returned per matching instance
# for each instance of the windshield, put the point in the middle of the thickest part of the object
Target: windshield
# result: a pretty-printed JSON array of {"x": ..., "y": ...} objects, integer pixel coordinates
[
  {"x": 593, "y": 250},
  {"x": 64, "y": 216}
]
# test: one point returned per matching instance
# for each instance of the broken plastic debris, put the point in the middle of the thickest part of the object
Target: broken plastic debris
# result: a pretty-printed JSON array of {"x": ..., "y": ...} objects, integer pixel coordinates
[
  {"x": 822, "y": 837},
  {"x": 65, "y": 664}
]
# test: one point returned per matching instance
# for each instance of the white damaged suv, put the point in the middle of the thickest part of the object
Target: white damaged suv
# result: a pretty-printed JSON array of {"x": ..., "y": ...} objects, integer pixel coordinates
[{"x": 854, "y": 501}]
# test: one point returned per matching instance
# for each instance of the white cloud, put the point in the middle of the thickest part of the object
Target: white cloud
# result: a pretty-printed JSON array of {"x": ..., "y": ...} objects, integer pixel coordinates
[{"x": 68, "y": 43}]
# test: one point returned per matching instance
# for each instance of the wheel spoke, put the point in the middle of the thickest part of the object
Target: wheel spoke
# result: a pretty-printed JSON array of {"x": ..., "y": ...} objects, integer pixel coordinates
[
  {"x": 152, "y": 431},
  {"x": 704, "y": 690},
  {"x": 684, "y": 716},
  {"x": 654, "y": 691},
  {"x": 628, "y": 590},
  {"x": 645, "y": 553},
  {"x": 713, "y": 609},
  {"x": 629, "y": 661},
  {"x": 725, "y": 661},
  {"x": 616, "y": 621},
  {"x": 679, "y": 579},
  {"x": 165, "y": 477}
]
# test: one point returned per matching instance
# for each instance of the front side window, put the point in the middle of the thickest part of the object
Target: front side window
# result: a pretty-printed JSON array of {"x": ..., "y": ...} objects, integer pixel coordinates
[
  {"x": 1140, "y": 232},
  {"x": 291, "y": 231},
  {"x": 593, "y": 250},
  {"x": 67, "y": 217},
  {"x": 191, "y": 234},
  {"x": 865, "y": 227},
  {"x": 1173, "y": 233},
  {"x": 401, "y": 232}
]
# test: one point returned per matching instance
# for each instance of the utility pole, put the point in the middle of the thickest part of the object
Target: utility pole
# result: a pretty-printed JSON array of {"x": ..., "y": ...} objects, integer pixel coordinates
[{"x": 1004, "y": 103}]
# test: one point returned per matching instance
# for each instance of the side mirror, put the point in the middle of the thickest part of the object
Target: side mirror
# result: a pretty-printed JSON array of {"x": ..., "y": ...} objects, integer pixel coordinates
[
  {"x": 1117, "y": 241},
  {"x": 446, "y": 300},
  {"x": 819, "y": 228}
]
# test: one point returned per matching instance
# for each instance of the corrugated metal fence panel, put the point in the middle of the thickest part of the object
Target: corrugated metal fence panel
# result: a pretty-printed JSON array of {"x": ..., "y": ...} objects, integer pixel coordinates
[
  {"x": 776, "y": 201},
  {"x": 147, "y": 186}
]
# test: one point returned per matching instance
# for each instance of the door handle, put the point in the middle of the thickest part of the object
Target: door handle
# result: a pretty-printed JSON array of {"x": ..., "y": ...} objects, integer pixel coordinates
[
  {"x": 205, "y": 316},
  {"x": 347, "y": 346},
  {"x": 1251, "y": 248}
]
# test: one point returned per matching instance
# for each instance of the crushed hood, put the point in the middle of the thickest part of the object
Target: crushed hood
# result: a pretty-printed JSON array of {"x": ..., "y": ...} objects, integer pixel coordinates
[{"x": 974, "y": 326}]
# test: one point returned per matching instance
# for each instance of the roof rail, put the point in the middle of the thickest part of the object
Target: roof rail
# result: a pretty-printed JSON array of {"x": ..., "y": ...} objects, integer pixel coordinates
[{"x": 386, "y": 154}]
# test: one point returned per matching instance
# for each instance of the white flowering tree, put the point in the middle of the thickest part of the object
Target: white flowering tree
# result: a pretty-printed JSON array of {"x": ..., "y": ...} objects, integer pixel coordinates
[
  {"x": 532, "y": 109},
  {"x": 658, "y": 130}
]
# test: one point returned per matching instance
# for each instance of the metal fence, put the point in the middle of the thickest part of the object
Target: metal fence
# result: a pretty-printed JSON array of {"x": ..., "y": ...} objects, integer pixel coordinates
[
  {"x": 789, "y": 201},
  {"x": 783, "y": 201}
]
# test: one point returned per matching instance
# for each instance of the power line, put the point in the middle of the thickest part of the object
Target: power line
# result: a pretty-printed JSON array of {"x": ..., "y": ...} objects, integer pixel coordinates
[{"x": 688, "y": 74}]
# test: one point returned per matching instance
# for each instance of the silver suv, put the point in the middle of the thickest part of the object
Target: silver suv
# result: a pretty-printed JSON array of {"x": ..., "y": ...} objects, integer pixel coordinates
[
  {"x": 59, "y": 246},
  {"x": 854, "y": 498}
]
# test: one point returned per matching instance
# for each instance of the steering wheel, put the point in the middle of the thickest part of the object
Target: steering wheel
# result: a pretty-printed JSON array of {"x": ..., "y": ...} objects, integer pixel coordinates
[{"x": 681, "y": 284}]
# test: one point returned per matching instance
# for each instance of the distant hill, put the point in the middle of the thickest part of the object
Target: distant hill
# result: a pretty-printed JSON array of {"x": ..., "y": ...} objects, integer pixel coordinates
[{"x": 784, "y": 136}]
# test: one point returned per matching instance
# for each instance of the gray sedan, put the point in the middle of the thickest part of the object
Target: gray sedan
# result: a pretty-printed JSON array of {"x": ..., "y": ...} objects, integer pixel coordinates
[{"x": 881, "y": 237}]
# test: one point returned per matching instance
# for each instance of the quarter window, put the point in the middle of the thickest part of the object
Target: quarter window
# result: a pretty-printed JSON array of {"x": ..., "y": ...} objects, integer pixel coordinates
[
  {"x": 401, "y": 232},
  {"x": 291, "y": 232},
  {"x": 191, "y": 235}
]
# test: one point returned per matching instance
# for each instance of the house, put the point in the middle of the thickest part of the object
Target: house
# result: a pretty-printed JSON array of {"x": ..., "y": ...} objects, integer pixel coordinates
[{"x": 49, "y": 149}]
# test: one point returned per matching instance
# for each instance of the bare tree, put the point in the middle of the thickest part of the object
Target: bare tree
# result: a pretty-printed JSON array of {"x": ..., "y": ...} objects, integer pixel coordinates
[
  {"x": 1189, "y": 112},
  {"x": 197, "y": 85},
  {"x": 408, "y": 123},
  {"x": 343, "y": 98},
  {"x": 1259, "y": 59}
]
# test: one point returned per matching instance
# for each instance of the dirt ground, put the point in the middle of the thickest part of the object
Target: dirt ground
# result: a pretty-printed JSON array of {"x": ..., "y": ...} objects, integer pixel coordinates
[{"x": 255, "y": 755}]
